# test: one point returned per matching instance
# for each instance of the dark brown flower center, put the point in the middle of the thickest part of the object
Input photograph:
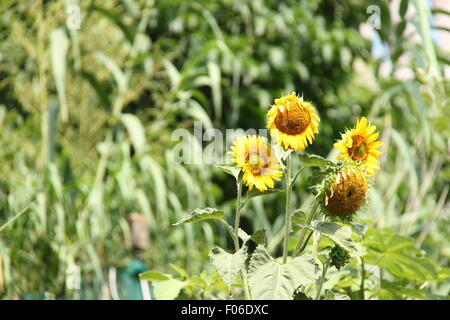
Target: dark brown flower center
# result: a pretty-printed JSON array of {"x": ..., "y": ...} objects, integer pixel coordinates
[
  {"x": 293, "y": 121},
  {"x": 347, "y": 195},
  {"x": 358, "y": 151}
]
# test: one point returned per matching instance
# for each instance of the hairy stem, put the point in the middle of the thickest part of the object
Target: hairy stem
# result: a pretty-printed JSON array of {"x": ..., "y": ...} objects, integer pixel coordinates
[
  {"x": 300, "y": 246},
  {"x": 236, "y": 239},
  {"x": 238, "y": 216},
  {"x": 363, "y": 276},
  {"x": 287, "y": 216},
  {"x": 322, "y": 279}
]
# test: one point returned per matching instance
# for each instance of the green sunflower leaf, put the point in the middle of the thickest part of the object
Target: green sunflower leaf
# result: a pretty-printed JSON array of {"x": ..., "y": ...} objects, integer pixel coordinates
[
  {"x": 234, "y": 171},
  {"x": 244, "y": 236},
  {"x": 201, "y": 214},
  {"x": 259, "y": 237},
  {"x": 256, "y": 193},
  {"x": 330, "y": 295},
  {"x": 398, "y": 255},
  {"x": 313, "y": 160},
  {"x": 298, "y": 218},
  {"x": 281, "y": 154},
  {"x": 339, "y": 234},
  {"x": 259, "y": 258},
  {"x": 228, "y": 265},
  {"x": 153, "y": 276},
  {"x": 360, "y": 229},
  {"x": 169, "y": 289},
  {"x": 271, "y": 280}
]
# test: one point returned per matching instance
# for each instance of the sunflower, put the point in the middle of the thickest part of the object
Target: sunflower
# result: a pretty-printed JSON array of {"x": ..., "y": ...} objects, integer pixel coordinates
[
  {"x": 346, "y": 192},
  {"x": 259, "y": 164},
  {"x": 359, "y": 144},
  {"x": 292, "y": 122}
]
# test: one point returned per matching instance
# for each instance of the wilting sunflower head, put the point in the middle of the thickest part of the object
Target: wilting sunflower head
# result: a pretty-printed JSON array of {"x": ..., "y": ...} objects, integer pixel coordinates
[
  {"x": 359, "y": 144},
  {"x": 292, "y": 122},
  {"x": 259, "y": 164},
  {"x": 346, "y": 192}
]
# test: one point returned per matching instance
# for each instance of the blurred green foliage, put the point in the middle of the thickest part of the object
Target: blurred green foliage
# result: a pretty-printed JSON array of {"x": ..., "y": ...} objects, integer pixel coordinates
[{"x": 87, "y": 116}]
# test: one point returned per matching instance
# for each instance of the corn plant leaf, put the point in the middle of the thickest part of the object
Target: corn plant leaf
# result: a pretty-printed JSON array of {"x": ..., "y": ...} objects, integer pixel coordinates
[
  {"x": 135, "y": 130},
  {"x": 173, "y": 73},
  {"x": 59, "y": 44},
  {"x": 228, "y": 265},
  {"x": 216, "y": 88},
  {"x": 270, "y": 280},
  {"x": 119, "y": 76},
  {"x": 403, "y": 8},
  {"x": 116, "y": 19},
  {"x": 313, "y": 160},
  {"x": 341, "y": 235},
  {"x": 14, "y": 218},
  {"x": 201, "y": 214}
]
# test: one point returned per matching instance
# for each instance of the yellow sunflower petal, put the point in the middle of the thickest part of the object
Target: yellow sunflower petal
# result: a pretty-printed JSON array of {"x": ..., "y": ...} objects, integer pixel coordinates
[
  {"x": 259, "y": 165},
  {"x": 359, "y": 144},
  {"x": 292, "y": 122}
]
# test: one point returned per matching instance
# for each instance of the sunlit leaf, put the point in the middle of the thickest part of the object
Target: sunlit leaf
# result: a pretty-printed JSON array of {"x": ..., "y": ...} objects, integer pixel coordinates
[
  {"x": 153, "y": 276},
  {"x": 169, "y": 289},
  {"x": 313, "y": 160},
  {"x": 234, "y": 171},
  {"x": 201, "y": 214},
  {"x": 341, "y": 235},
  {"x": 270, "y": 280},
  {"x": 398, "y": 255},
  {"x": 228, "y": 265}
]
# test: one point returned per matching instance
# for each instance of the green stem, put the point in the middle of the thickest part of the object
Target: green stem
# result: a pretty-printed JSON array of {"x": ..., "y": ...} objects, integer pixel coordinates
[
  {"x": 306, "y": 241},
  {"x": 363, "y": 276},
  {"x": 287, "y": 215},
  {"x": 300, "y": 246},
  {"x": 238, "y": 216},
  {"x": 236, "y": 239},
  {"x": 322, "y": 279}
]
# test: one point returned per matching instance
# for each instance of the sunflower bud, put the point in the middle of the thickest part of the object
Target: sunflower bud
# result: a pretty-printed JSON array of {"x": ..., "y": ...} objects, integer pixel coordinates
[{"x": 339, "y": 257}]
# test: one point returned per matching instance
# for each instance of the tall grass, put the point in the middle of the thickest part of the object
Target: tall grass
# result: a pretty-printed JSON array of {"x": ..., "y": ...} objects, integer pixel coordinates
[{"x": 87, "y": 115}]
